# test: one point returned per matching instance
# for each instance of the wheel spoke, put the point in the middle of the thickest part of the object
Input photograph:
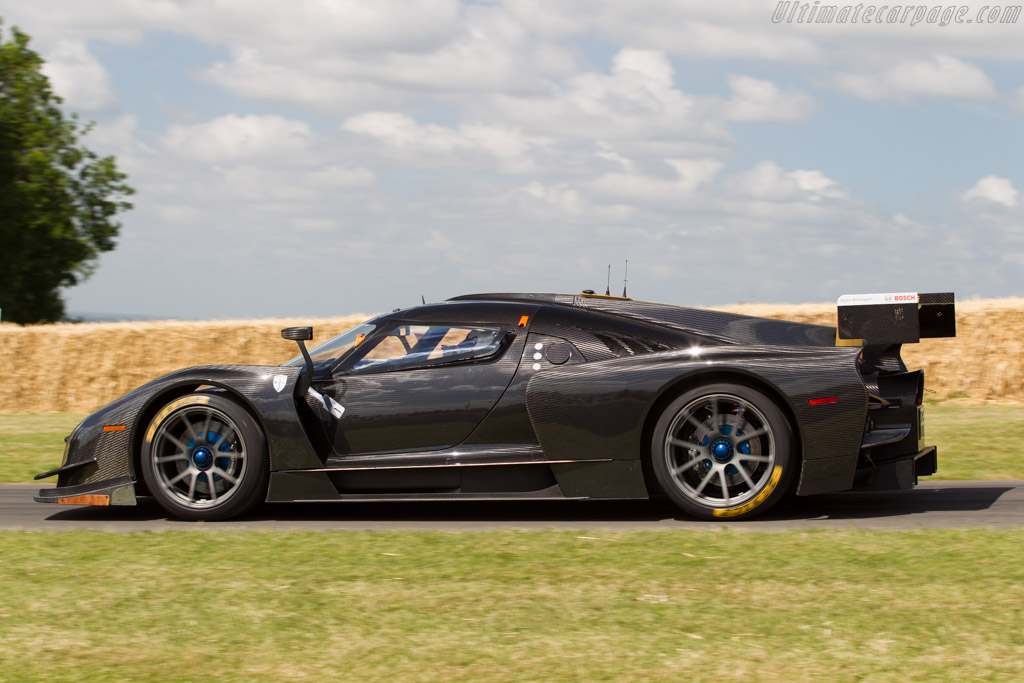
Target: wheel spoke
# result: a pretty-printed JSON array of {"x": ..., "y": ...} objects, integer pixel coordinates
[
  {"x": 676, "y": 471},
  {"x": 226, "y": 437},
  {"x": 753, "y": 435},
  {"x": 213, "y": 488},
  {"x": 704, "y": 482},
  {"x": 176, "y": 441},
  {"x": 725, "y": 485},
  {"x": 224, "y": 475},
  {"x": 752, "y": 458},
  {"x": 746, "y": 477},
  {"x": 206, "y": 427},
  {"x": 690, "y": 445},
  {"x": 181, "y": 475},
  {"x": 698, "y": 426},
  {"x": 188, "y": 425},
  {"x": 192, "y": 486},
  {"x": 171, "y": 458}
]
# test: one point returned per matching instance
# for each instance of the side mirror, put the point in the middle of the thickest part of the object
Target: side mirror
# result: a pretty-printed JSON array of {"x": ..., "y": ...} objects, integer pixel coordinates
[
  {"x": 300, "y": 335},
  {"x": 297, "y": 333}
]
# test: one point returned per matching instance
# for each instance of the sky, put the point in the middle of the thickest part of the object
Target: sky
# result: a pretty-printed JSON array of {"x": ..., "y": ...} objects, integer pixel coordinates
[{"x": 319, "y": 158}]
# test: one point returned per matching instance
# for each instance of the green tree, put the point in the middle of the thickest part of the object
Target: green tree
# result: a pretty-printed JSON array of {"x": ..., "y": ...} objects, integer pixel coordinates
[{"x": 58, "y": 199}]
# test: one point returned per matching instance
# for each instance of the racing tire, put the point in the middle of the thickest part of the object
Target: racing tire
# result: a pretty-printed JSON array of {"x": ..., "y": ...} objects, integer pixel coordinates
[
  {"x": 723, "y": 452},
  {"x": 204, "y": 457}
]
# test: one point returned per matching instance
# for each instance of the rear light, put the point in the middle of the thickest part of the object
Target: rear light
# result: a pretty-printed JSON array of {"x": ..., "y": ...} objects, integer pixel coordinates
[{"x": 823, "y": 401}]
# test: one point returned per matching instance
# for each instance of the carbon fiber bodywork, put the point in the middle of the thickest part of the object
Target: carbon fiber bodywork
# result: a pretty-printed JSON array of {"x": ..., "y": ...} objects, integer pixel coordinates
[
  {"x": 115, "y": 452},
  {"x": 565, "y": 409}
]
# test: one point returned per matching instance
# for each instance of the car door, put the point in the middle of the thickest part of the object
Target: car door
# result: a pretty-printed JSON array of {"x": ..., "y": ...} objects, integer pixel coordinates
[{"x": 419, "y": 386}]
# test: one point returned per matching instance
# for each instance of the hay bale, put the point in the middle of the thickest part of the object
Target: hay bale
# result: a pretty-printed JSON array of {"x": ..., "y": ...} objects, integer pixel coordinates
[{"x": 79, "y": 367}]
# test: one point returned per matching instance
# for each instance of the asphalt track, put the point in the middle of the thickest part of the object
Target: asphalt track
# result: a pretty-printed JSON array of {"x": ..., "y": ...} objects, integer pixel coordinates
[{"x": 943, "y": 504}]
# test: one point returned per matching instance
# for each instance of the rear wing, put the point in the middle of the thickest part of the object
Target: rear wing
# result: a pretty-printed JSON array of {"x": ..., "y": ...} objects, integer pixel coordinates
[{"x": 900, "y": 318}]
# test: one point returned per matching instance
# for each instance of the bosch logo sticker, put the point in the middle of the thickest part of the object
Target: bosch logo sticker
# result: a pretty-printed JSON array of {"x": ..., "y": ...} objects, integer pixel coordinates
[{"x": 875, "y": 299}]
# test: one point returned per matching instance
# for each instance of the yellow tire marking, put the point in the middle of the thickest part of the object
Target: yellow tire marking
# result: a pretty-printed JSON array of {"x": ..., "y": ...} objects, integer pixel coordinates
[
  {"x": 756, "y": 500},
  {"x": 170, "y": 408}
]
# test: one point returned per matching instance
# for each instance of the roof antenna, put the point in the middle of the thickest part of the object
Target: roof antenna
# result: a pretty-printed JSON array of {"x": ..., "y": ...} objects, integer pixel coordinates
[
  {"x": 608, "y": 287},
  {"x": 423, "y": 299},
  {"x": 624, "y": 280}
]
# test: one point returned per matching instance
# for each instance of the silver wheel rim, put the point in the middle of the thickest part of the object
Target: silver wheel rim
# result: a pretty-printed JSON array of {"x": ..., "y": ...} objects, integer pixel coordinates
[
  {"x": 199, "y": 457},
  {"x": 720, "y": 450}
]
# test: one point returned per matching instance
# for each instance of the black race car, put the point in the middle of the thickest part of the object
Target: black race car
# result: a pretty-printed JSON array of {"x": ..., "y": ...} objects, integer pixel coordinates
[{"x": 530, "y": 396}]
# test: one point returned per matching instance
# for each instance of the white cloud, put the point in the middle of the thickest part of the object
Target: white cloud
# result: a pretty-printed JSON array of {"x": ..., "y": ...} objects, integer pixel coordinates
[
  {"x": 640, "y": 189},
  {"x": 468, "y": 49},
  {"x": 992, "y": 188},
  {"x": 638, "y": 100},
  {"x": 253, "y": 75},
  {"x": 708, "y": 40},
  {"x": 442, "y": 124},
  {"x": 769, "y": 181},
  {"x": 940, "y": 76},
  {"x": 235, "y": 138},
  {"x": 1017, "y": 99},
  {"x": 757, "y": 100},
  {"x": 401, "y": 130},
  {"x": 78, "y": 77},
  {"x": 739, "y": 29},
  {"x": 336, "y": 177},
  {"x": 402, "y": 138}
]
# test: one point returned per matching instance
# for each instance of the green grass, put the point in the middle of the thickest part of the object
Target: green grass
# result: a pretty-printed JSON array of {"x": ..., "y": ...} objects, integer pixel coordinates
[
  {"x": 512, "y": 606},
  {"x": 32, "y": 443},
  {"x": 975, "y": 442}
]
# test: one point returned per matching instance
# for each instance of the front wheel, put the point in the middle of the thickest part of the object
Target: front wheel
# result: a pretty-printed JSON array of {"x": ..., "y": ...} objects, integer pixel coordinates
[
  {"x": 204, "y": 457},
  {"x": 723, "y": 451}
]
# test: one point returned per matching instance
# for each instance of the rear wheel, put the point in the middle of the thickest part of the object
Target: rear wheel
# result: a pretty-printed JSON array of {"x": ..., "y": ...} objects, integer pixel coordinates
[
  {"x": 723, "y": 451},
  {"x": 204, "y": 457}
]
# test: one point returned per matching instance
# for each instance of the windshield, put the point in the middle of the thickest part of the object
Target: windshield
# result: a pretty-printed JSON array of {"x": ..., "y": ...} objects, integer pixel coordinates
[{"x": 333, "y": 349}]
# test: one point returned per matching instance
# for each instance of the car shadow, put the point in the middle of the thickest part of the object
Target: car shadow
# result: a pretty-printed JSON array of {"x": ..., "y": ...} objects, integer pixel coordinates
[
  {"x": 850, "y": 506},
  {"x": 853, "y": 505}
]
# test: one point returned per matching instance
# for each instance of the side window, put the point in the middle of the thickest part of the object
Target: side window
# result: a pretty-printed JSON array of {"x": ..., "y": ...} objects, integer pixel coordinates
[{"x": 414, "y": 346}]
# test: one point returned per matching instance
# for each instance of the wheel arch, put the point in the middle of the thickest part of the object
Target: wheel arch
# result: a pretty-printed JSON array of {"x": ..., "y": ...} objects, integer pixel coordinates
[
  {"x": 680, "y": 385},
  {"x": 165, "y": 396}
]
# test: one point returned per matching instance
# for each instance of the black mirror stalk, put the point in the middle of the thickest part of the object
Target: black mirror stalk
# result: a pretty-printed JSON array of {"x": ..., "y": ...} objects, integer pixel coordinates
[{"x": 300, "y": 335}]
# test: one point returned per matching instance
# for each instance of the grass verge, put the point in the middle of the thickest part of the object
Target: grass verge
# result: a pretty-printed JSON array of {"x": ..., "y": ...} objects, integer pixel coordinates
[
  {"x": 32, "y": 443},
  {"x": 512, "y": 606},
  {"x": 975, "y": 442}
]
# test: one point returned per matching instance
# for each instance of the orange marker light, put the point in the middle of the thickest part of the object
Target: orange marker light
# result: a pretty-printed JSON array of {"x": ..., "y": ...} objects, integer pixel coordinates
[
  {"x": 113, "y": 428},
  {"x": 88, "y": 499},
  {"x": 359, "y": 339},
  {"x": 522, "y": 321}
]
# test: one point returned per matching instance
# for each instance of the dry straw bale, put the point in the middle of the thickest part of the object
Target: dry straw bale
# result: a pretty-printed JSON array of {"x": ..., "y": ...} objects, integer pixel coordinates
[
  {"x": 79, "y": 367},
  {"x": 984, "y": 363}
]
